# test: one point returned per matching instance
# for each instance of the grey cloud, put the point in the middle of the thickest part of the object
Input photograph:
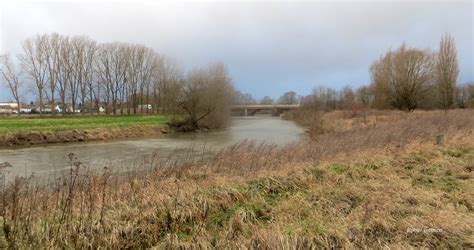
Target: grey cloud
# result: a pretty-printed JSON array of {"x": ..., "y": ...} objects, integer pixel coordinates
[{"x": 268, "y": 47}]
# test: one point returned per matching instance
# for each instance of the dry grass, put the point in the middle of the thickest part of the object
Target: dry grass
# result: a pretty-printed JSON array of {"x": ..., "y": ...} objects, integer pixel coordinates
[{"x": 368, "y": 182}]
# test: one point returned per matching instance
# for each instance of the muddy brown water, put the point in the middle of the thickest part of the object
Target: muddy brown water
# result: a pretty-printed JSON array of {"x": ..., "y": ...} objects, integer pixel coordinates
[{"x": 48, "y": 161}]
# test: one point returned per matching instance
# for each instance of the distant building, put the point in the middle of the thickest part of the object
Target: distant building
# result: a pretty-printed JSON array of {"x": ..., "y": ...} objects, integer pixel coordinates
[
  {"x": 47, "y": 109},
  {"x": 12, "y": 105},
  {"x": 8, "y": 108},
  {"x": 145, "y": 106},
  {"x": 25, "y": 110}
]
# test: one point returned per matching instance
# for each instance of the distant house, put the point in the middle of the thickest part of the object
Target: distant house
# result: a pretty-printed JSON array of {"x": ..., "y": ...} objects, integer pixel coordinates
[
  {"x": 47, "y": 109},
  {"x": 145, "y": 106},
  {"x": 12, "y": 105},
  {"x": 25, "y": 110},
  {"x": 8, "y": 108}
]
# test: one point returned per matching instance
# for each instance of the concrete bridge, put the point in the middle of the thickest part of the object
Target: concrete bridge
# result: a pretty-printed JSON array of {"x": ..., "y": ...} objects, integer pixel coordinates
[{"x": 250, "y": 110}]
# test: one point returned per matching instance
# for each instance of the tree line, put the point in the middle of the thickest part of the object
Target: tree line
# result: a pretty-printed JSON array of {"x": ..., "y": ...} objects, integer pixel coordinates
[
  {"x": 406, "y": 79},
  {"x": 78, "y": 72},
  {"x": 288, "y": 98},
  {"x": 129, "y": 78}
]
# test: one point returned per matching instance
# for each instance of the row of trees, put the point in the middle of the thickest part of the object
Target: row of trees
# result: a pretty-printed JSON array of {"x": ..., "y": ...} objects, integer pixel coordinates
[
  {"x": 406, "y": 79},
  {"x": 409, "y": 78},
  {"x": 123, "y": 78},
  {"x": 126, "y": 78},
  {"x": 287, "y": 98},
  {"x": 323, "y": 98}
]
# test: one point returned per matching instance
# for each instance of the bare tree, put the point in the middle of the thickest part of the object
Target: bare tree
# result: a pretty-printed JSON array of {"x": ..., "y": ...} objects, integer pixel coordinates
[
  {"x": 168, "y": 83},
  {"x": 446, "y": 72},
  {"x": 403, "y": 76},
  {"x": 11, "y": 77},
  {"x": 206, "y": 97},
  {"x": 88, "y": 89},
  {"x": 52, "y": 60},
  {"x": 78, "y": 76},
  {"x": 471, "y": 95},
  {"x": 380, "y": 72},
  {"x": 364, "y": 95},
  {"x": 103, "y": 72},
  {"x": 289, "y": 97},
  {"x": 266, "y": 100},
  {"x": 146, "y": 76},
  {"x": 140, "y": 70},
  {"x": 65, "y": 70},
  {"x": 463, "y": 95},
  {"x": 120, "y": 79},
  {"x": 35, "y": 64},
  {"x": 322, "y": 98},
  {"x": 111, "y": 67},
  {"x": 134, "y": 56},
  {"x": 243, "y": 98},
  {"x": 348, "y": 97}
]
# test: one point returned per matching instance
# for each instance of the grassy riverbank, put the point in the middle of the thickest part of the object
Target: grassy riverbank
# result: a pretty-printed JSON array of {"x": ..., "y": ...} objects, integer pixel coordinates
[
  {"x": 375, "y": 184},
  {"x": 24, "y": 131},
  {"x": 15, "y": 124}
]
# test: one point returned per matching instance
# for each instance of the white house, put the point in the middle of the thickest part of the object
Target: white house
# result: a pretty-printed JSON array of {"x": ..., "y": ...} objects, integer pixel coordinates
[
  {"x": 12, "y": 105},
  {"x": 25, "y": 110}
]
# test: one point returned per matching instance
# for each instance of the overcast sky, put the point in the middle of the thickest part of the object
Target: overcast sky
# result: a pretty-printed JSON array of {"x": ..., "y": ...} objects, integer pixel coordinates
[{"x": 269, "y": 47}]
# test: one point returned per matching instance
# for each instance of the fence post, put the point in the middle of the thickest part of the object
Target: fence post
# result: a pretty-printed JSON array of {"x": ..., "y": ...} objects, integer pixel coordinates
[{"x": 440, "y": 140}]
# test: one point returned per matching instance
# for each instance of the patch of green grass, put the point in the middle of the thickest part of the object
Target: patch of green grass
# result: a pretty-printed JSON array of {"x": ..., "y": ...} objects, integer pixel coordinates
[
  {"x": 447, "y": 184},
  {"x": 458, "y": 201},
  {"x": 457, "y": 152},
  {"x": 258, "y": 198},
  {"x": 311, "y": 226},
  {"x": 254, "y": 211},
  {"x": 370, "y": 164},
  {"x": 272, "y": 189},
  {"x": 423, "y": 180},
  {"x": 338, "y": 168},
  {"x": 22, "y": 124},
  {"x": 317, "y": 173}
]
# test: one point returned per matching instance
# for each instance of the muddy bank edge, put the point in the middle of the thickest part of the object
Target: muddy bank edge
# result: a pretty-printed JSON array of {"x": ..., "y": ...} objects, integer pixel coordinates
[{"x": 26, "y": 138}]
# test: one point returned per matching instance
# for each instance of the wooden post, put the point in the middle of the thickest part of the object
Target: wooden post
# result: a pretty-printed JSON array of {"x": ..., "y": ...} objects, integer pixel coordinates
[{"x": 440, "y": 140}]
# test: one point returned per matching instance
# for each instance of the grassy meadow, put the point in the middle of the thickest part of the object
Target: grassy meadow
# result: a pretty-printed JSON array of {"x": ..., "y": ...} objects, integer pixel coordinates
[
  {"x": 366, "y": 181},
  {"x": 13, "y": 124}
]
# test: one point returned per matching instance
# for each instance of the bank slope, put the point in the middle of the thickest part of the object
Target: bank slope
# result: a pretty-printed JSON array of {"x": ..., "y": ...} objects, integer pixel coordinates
[{"x": 19, "y": 131}]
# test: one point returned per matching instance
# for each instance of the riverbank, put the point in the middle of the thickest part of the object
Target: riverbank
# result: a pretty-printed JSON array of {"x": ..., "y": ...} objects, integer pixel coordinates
[
  {"x": 24, "y": 131},
  {"x": 388, "y": 184}
]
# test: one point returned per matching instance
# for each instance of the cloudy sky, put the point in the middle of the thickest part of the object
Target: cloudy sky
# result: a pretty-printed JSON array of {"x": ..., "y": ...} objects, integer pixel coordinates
[{"x": 269, "y": 47}]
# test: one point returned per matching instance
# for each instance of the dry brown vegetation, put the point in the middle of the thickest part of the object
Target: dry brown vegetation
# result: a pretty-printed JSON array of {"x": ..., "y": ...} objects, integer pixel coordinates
[{"x": 374, "y": 180}]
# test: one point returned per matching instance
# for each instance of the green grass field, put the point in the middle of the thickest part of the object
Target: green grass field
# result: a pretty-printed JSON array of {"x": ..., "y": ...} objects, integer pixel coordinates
[{"x": 18, "y": 124}]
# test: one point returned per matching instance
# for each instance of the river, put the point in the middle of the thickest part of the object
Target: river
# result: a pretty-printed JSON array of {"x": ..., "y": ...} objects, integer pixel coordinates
[{"x": 124, "y": 155}]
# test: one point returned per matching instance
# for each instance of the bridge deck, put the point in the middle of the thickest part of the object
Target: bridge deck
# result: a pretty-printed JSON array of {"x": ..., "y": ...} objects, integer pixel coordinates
[{"x": 258, "y": 106}]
